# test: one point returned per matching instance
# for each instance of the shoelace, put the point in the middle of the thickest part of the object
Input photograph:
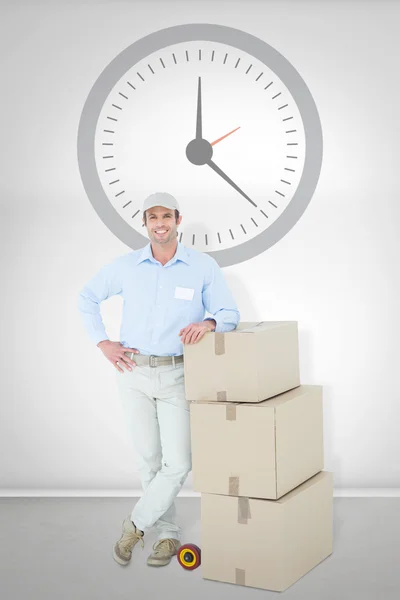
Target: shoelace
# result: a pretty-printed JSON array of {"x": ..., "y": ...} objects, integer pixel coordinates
[
  {"x": 130, "y": 538},
  {"x": 161, "y": 546}
]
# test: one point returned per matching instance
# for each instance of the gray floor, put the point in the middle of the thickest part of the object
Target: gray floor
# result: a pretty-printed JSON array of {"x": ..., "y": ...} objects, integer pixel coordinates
[{"x": 61, "y": 548}]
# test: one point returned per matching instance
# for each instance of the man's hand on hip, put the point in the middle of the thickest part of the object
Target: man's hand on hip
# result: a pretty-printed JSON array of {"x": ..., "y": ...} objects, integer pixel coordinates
[
  {"x": 115, "y": 352},
  {"x": 195, "y": 331}
]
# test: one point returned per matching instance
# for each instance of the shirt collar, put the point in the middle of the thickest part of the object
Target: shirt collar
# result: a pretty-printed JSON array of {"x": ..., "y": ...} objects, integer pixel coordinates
[{"x": 180, "y": 254}]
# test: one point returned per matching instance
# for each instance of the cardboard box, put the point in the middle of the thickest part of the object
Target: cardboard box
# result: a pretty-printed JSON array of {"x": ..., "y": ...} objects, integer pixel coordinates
[
  {"x": 267, "y": 544},
  {"x": 261, "y": 450},
  {"x": 253, "y": 362}
]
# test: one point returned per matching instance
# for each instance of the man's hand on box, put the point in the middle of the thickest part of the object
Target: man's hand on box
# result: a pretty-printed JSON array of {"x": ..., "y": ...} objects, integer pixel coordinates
[{"x": 195, "y": 331}]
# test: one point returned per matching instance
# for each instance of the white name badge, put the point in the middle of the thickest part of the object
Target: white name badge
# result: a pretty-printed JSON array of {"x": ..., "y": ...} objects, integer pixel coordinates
[{"x": 184, "y": 293}]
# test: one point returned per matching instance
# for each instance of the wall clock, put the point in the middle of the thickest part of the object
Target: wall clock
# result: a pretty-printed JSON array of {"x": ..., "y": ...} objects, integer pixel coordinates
[{"x": 214, "y": 116}]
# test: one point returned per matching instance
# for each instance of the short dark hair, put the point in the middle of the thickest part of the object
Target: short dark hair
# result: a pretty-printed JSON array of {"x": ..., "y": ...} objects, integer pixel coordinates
[{"x": 176, "y": 216}]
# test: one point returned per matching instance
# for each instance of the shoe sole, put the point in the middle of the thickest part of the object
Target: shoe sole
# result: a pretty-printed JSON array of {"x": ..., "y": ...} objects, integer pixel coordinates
[
  {"x": 119, "y": 560},
  {"x": 158, "y": 563}
]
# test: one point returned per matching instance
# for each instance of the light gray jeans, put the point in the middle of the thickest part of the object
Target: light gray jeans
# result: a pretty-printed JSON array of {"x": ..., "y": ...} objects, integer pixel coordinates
[{"x": 157, "y": 415}]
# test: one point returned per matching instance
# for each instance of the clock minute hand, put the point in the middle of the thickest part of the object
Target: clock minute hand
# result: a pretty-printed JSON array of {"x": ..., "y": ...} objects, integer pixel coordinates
[
  {"x": 199, "y": 133},
  {"x": 211, "y": 164}
]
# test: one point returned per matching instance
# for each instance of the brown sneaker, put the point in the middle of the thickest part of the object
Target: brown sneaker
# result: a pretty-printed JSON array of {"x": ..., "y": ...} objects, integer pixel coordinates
[
  {"x": 164, "y": 550},
  {"x": 122, "y": 551}
]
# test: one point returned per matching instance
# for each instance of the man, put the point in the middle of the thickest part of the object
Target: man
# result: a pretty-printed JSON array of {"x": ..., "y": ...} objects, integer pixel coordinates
[{"x": 166, "y": 289}]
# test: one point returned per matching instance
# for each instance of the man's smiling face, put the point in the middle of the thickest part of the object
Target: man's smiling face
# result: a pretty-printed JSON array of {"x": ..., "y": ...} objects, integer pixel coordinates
[{"x": 161, "y": 224}]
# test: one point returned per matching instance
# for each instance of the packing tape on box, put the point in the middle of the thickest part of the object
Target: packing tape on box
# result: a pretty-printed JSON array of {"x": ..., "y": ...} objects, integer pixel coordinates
[
  {"x": 233, "y": 486},
  {"x": 219, "y": 343},
  {"x": 231, "y": 412},
  {"x": 219, "y": 347},
  {"x": 243, "y": 510},
  {"x": 240, "y": 576}
]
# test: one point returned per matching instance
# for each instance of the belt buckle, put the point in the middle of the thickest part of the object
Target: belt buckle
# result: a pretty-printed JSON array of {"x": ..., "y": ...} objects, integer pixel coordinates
[{"x": 152, "y": 360}]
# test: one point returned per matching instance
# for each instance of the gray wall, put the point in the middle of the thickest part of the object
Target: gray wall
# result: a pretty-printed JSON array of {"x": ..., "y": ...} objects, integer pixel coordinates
[{"x": 336, "y": 272}]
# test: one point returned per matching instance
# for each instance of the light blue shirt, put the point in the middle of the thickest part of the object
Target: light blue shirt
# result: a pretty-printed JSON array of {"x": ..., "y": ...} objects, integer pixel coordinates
[{"x": 159, "y": 300}]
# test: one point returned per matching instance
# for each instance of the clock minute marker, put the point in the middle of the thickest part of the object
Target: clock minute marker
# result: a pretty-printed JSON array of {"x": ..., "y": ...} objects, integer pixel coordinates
[
  {"x": 123, "y": 95},
  {"x": 112, "y": 119},
  {"x": 280, "y": 193},
  {"x": 264, "y": 213},
  {"x": 276, "y": 95},
  {"x": 108, "y": 131},
  {"x": 283, "y": 106},
  {"x": 254, "y": 222},
  {"x": 119, "y": 193},
  {"x": 287, "y": 119},
  {"x": 174, "y": 58},
  {"x": 226, "y": 56},
  {"x": 272, "y": 204},
  {"x": 237, "y": 62},
  {"x": 112, "y": 169},
  {"x": 260, "y": 75},
  {"x": 162, "y": 62},
  {"x": 284, "y": 181},
  {"x": 151, "y": 69},
  {"x": 243, "y": 228},
  {"x": 267, "y": 86},
  {"x": 116, "y": 106},
  {"x": 287, "y": 169}
]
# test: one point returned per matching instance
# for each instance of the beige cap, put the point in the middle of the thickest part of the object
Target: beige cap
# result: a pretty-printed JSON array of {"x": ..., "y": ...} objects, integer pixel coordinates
[{"x": 160, "y": 199}]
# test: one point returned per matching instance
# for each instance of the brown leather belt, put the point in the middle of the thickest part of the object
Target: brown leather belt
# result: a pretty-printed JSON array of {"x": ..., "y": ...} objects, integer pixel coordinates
[{"x": 154, "y": 361}]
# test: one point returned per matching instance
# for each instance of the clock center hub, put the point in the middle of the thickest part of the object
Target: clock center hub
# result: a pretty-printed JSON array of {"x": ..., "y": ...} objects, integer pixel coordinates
[{"x": 199, "y": 152}]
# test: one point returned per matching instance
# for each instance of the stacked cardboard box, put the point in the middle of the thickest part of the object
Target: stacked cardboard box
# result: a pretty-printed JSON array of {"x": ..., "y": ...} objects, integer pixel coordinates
[{"x": 257, "y": 457}]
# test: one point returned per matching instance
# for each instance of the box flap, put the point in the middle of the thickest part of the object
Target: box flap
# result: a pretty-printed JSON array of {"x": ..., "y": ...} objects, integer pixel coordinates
[
  {"x": 254, "y": 326},
  {"x": 303, "y": 486},
  {"x": 273, "y": 402}
]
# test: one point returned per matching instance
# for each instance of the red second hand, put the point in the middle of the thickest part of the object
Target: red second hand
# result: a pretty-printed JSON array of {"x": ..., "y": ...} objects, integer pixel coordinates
[{"x": 224, "y": 136}]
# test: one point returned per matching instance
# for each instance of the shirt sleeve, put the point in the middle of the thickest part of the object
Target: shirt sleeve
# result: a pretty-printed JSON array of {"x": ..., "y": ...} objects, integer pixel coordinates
[
  {"x": 106, "y": 283},
  {"x": 218, "y": 300}
]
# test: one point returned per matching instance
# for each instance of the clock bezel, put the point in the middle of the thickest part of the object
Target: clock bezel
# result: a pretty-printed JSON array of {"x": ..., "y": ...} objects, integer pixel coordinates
[{"x": 241, "y": 40}]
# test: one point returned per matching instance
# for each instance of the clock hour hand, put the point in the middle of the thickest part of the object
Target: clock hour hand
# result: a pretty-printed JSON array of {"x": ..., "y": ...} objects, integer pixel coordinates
[
  {"x": 211, "y": 164},
  {"x": 199, "y": 132}
]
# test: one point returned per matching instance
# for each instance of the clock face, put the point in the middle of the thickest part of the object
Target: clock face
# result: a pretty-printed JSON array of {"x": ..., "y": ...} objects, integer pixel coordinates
[{"x": 213, "y": 116}]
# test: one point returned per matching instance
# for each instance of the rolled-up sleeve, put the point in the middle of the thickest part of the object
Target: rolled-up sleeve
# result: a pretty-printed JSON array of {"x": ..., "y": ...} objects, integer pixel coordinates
[
  {"x": 106, "y": 283},
  {"x": 218, "y": 299}
]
